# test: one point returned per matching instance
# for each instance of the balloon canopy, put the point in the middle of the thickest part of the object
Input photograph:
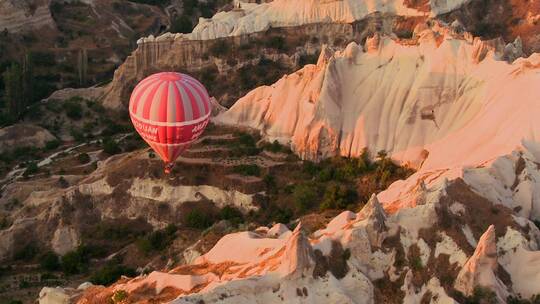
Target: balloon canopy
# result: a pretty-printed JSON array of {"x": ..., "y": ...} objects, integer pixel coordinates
[{"x": 170, "y": 111}]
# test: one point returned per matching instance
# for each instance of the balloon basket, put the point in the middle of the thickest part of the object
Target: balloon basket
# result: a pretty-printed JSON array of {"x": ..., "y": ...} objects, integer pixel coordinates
[{"x": 168, "y": 168}]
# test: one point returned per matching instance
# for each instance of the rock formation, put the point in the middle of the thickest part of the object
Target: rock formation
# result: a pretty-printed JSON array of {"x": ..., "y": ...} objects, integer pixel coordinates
[
  {"x": 480, "y": 270},
  {"x": 24, "y": 135},
  {"x": 25, "y": 15}
]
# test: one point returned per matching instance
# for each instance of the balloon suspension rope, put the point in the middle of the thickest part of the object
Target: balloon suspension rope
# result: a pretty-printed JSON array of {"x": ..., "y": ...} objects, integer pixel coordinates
[{"x": 168, "y": 167}]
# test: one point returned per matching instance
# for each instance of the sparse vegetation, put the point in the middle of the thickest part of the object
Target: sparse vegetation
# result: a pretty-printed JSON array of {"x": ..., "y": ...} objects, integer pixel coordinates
[
  {"x": 250, "y": 169},
  {"x": 157, "y": 240},
  {"x": 119, "y": 296},
  {"x": 73, "y": 108},
  {"x": 198, "y": 219},
  {"x": 53, "y": 144},
  {"x": 231, "y": 214},
  {"x": 481, "y": 295},
  {"x": 49, "y": 261},
  {"x": 110, "y": 146},
  {"x": 110, "y": 273},
  {"x": 83, "y": 158},
  {"x": 27, "y": 253}
]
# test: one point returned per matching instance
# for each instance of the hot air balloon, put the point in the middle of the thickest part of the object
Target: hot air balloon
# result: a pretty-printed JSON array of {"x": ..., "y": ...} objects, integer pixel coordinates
[{"x": 170, "y": 111}]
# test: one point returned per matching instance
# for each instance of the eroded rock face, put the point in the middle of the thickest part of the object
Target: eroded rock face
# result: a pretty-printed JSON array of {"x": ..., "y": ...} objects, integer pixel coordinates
[
  {"x": 65, "y": 239},
  {"x": 331, "y": 109},
  {"x": 123, "y": 188},
  {"x": 480, "y": 269},
  {"x": 25, "y": 15},
  {"x": 24, "y": 135},
  {"x": 176, "y": 52}
]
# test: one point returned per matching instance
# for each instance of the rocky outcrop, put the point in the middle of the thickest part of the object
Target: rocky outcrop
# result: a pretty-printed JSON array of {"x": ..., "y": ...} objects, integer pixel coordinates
[
  {"x": 480, "y": 270},
  {"x": 249, "y": 18},
  {"x": 24, "y": 135},
  {"x": 176, "y": 52},
  {"x": 509, "y": 19},
  {"x": 511, "y": 180},
  {"x": 330, "y": 108},
  {"x": 25, "y": 15}
]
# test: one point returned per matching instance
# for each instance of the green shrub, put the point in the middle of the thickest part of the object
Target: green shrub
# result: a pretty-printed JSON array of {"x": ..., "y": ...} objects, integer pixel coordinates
[
  {"x": 73, "y": 109},
  {"x": 181, "y": 24},
  {"x": 77, "y": 135},
  {"x": 31, "y": 169},
  {"x": 49, "y": 261},
  {"x": 305, "y": 196},
  {"x": 110, "y": 273},
  {"x": 119, "y": 295},
  {"x": 157, "y": 240},
  {"x": 482, "y": 295},
  {"x": 270, "y": 181},
  {"x": 110, "y": 146},
  {"x": 27, "y": 253},
  {"x": 338, "y": 196},
  {"x": 83, "y": 158},
  {"x": 248, "y": 170},
  {"x": 198, "y": 219},
  {"x": 276, "y": 147},
  {"x": 76, "y": 261},
  {"x": 52, "y": 144},
  {"x": 231, "y": 214},
  {"x": 281, "y": 215}
]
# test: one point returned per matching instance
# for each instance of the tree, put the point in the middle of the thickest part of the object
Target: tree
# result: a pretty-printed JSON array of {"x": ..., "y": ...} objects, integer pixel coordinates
[
  {"x": 182, "y": 24},
  {"x": 18, "y": 85},
  {"x": 82, "y": 66},
  {"x": 13, "y": 89},
  {"x": 305, "y": 196}
]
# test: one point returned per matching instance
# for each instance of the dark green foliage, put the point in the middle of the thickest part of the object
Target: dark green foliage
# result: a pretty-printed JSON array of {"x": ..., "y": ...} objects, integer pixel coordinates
[
  {"x": 31, "y": 169},
  {"x": 119, "y": 296},
  {"x": 181, "y": 24},
  {"x": 4, "y": 223},
  {"x": 77, "y": 135},
  {"x": 231, "y": 214},
  {"x": 270, "y": 182},
  {"x": 481, "y": 295},
  {"x": 338, "y": 196},
  {"x": 189, "y": 6},
  {"x": 52, "y": 144},
  {"x": 44, "y": 59},
  {"x": 250, "y": 169},
  {"x": 157, "y": 240},
  {"x": 110, "y": 273},
  {"x": 63, "y": 182},
  {"x": 276, "y": 147},
  {"x": 27, "y": 253},
  {"x": 305, "y": 196},
  {"x": 265, "y": 72},
  {"x": 535, "y": 299},
  {"x": 198, "y": 219},
  {"x": 83, "y": 158},
  {"x": 112, "y": 128},
  {"x": 73, "y": 108},
  {"x": 110, "y": 146},
  {"x": 77, "y": 261},
  {"x": 49, "y": 261}
]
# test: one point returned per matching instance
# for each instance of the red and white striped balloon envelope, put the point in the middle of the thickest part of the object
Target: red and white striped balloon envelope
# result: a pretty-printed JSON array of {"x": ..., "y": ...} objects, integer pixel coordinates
[{"x": 170, "y": 111}]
